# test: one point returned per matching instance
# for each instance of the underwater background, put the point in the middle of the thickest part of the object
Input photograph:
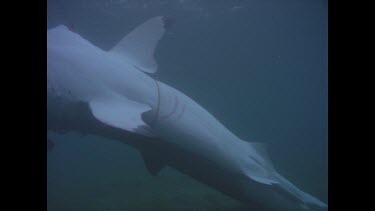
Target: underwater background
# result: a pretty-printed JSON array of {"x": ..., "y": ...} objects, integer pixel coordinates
[{"x": 259, "y": 66}]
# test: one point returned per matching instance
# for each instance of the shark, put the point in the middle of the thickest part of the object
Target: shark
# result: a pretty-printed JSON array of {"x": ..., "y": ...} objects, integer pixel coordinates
[{"x": 111, "y": 93}]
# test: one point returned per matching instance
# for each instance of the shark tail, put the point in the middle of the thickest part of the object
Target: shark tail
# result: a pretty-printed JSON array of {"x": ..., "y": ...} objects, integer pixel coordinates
[{"x": 307, "y": 202}]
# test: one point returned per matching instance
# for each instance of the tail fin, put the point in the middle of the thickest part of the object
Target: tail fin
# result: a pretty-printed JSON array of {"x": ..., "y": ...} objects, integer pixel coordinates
[{"x": 308, "y": 202}]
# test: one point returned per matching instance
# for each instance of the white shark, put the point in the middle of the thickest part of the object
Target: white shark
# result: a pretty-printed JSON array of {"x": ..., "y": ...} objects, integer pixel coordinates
[{"x": 122, "y": 97}]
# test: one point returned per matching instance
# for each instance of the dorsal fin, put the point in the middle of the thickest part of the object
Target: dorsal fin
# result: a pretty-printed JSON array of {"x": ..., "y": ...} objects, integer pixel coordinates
[{"x": 139, "y": 45}]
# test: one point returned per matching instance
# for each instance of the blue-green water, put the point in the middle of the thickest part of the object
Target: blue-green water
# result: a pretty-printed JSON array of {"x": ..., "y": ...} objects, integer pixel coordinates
[{"x": 259, "y": 66}]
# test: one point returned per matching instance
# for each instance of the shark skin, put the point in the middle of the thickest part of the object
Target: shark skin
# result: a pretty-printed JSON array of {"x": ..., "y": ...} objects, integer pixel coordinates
[{"x": 109, "y": 93}]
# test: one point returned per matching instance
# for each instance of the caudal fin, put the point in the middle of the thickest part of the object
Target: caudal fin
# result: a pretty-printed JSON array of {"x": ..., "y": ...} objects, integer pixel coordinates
[
  {"x": 307, "y": 201},
  {"x": 313, "y": 203}
]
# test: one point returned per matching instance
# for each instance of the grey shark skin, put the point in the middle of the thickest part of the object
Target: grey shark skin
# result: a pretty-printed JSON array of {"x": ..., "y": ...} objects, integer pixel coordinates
[{"x": 108, "y": 93}]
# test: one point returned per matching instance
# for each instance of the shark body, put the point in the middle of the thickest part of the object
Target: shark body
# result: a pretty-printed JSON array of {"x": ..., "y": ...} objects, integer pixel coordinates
[{"x": 111, "y": 91}]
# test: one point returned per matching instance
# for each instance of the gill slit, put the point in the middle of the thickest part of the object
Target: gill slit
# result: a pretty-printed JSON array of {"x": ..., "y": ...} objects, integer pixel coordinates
[{"x": 158, "y": 104}]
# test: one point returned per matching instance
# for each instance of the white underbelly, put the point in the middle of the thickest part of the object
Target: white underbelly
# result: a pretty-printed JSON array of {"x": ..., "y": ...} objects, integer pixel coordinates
[{"x": 184, "y": 123}]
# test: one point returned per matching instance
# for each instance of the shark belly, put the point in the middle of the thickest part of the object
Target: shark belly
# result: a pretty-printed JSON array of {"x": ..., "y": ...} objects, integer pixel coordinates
[{"x": 182, "y": 122}]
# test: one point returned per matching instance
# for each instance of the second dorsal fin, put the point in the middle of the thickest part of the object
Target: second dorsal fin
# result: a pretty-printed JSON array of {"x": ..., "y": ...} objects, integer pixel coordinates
[
  {"x": 262, "y": 150},
  {"x": 259, "y": 167}
]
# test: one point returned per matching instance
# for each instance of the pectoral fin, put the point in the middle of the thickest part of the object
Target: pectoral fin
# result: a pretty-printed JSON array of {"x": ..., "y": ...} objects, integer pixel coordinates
[{"x": 120, "y": 112}]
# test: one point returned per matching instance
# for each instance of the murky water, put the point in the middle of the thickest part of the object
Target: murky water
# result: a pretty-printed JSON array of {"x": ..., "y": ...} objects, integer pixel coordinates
[{"x": 259, "y": 66}]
